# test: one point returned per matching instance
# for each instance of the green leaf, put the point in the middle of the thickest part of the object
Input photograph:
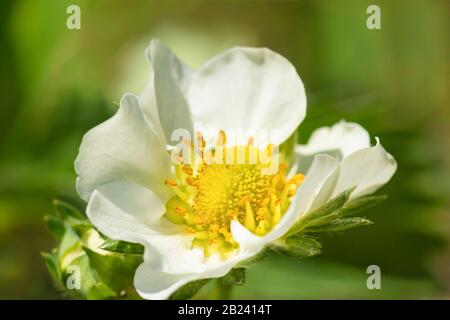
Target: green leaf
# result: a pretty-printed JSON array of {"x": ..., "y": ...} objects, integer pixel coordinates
[
  {"x": 91, "y": 285},
  {"x": 256, "y": 258},
  {"x": 116, "y": 270},
  {"x": 342, "y": 224},
  {"x": 235, "y": 277},
  {"x": 360, "y": 204},
  {"x": 299, "y": 247},
  {"x": 52, "y": 263},
  {"x": 55, "y": 226},
  {"x": 122, "y": 247},
  {"x": 321, "y": 215},
  {"x": 66, "y": 210},
  {"x": 188, "y": 290}
]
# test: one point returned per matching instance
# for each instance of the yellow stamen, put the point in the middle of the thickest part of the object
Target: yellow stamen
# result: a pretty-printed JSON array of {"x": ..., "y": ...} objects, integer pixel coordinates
[{"x": 210, "y": 194}]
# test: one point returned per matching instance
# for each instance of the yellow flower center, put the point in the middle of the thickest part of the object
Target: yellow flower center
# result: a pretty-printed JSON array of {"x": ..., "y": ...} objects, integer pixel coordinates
[{"x": 233, "y": 184}]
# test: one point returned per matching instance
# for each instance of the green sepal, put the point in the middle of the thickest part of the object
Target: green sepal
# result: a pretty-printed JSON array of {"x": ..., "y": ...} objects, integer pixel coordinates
[
  {"x": 342, "y": 224},
  {"x": 322, "y": 215},
  {"x": 103, "y": 274},
  {"x": 66, "y": 210},
  {"x": 188, "y": 290},
  {"x": 117, "y": 270},
  {"x": 298, "y": 247},
  {"x": 122, "y": 247},
  {"x": 236, "y": 276},
  {"x": 55, "y": 226},
  {"x": 359, "y": 204},
  {"x": 52, "y": 264}
]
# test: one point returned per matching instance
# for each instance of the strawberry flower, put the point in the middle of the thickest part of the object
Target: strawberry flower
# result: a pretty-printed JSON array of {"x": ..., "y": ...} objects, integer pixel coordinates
[{"x": 199, "y": 217}]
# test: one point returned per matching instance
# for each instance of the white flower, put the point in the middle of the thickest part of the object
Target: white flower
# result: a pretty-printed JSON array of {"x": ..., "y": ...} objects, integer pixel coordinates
[{"x": 198, "y": 221}]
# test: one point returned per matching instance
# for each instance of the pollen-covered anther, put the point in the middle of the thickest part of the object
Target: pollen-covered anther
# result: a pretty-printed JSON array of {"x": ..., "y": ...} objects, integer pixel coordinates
[
  {"x": 191, "y": 230},
  {"x": 180, "y": 210},
  {"x": 170, "y": 182},
  {"x": 188, "y": 170},
  {"x": 297, "y": 179},
  {"x": 221, "y": 138},
  {"x": 192, "y": 181},
  {"x": 209, "y": 195}
]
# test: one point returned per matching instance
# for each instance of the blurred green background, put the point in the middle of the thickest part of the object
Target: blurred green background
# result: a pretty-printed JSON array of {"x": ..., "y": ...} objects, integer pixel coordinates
[{"x": 57, "y": 83}]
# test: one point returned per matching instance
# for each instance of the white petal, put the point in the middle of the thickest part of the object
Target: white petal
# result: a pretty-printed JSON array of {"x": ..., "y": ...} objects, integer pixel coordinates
[
  {"x": 130, "y": 212},
  {"x": 340, "y": 140},
  {"x": 366, "y": 169},
  {"x": 157, "y": 285},
  {"x": 248, "y": 89},
  {"x": 322, "y": 168},
  {"x": 127, "y": 211},
  {"x": 149, "y": 107},
  {"x": 124, "y": 147},
  {"x": 171, "y": 77}
]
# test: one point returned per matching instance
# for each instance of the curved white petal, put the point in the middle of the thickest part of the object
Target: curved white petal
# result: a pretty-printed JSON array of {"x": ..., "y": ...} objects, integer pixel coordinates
[
  {"x": 249, "y": 89},
  {"x": 149, "y": 107},
  {"x": 130, "y": 212},
  {"x": 322, "y": 168},
  {"x": 125, "y": 147},
  {"x": 339, "y": 140},
  {"x": 171, "y": 76},
  {"x": 245, "y": 89},
  {"x": 127, "y": 211},
  {"x": 366, "y": 169},
  {"x": 157, "y": 285}
]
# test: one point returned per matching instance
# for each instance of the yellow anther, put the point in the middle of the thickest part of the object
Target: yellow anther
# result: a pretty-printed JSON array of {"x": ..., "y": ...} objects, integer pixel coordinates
[
  {"x": 190, "y": 230},
  {"x": 261, "y": 214},
  {"x": 297, "y": 179},
  {"x": 170, "y": 182},
  {"x": 283, "y": 168},
  {"x": 198, "y": 220},
  {"x": 222, "y": 138},
  {"x": 292, "y": 191},
  {"x": 200, "y": 139},
  {"x": 188, "y": 170},
  {"x": 192, "y": 181},
  {"x": 180, "y": 210}
]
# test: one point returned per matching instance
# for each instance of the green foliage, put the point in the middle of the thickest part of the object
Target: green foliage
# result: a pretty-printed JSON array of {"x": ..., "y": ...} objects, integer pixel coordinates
[
  {"x": 298, "y": 247},
  {"x": 122, "y": 247},
  {"x": 330, "y": 217},
  {"x": 104, "y": 274},
  {"x": 188, "y": 290},
  {"x": 235, "y": 277},
  {"x": 341, "y": 224}
]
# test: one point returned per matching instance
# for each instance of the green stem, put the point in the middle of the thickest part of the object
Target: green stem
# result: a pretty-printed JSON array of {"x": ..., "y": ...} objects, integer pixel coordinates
[{"x": 221, "y": 291}]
